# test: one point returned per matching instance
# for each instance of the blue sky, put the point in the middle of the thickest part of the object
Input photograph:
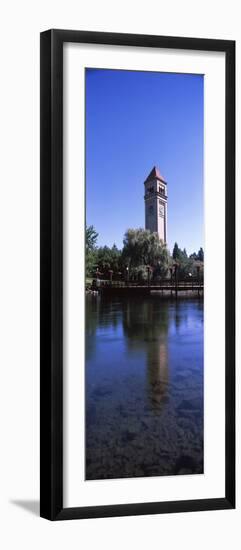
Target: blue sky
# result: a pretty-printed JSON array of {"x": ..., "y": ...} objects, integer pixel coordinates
[{"x": 135, "y": 120}]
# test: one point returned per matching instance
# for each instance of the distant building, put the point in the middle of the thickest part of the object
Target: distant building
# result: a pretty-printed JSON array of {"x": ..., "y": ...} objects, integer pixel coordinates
[{"x": 156, "y": 204}]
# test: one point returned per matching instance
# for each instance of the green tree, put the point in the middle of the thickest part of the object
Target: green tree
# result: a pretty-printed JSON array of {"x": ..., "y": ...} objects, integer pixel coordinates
[
  {"x": 115, "y": 259},
  {"x": 109, "y": 258},
  {"x": 176, "y": 253},
  {"x": 91, "y": 237},
  {"x": 142, "y": 248},
  {"x": 185, "y": 264},
  {"x": 193, "y": 256},
  {"x": 200, "y": 255}
]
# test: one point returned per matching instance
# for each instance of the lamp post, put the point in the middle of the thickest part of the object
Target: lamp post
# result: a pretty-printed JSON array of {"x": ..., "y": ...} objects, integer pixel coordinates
[
  {"x": 97, "y": 273},
  {"x": 111, "y": 273},
  {"x": 175, "y": 273},
  {"x": 176, "y": 276},
  {"x": 198, "y": 265},
  {"x": 127, "y": 274},
  {"x": 148, "y": 275},
  {"x": 171, "y": 272},
  {"x": 198, "y": 274}
]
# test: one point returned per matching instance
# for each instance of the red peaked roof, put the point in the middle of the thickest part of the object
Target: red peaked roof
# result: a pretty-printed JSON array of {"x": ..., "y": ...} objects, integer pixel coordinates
[{"x": 155, "y": 174}]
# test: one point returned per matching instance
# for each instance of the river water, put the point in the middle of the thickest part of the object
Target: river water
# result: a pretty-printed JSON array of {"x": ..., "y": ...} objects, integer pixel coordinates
[{"x": 144, "y": 387}]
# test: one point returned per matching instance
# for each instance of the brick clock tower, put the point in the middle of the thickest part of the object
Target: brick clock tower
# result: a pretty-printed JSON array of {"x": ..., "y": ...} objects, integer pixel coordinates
[{"x": 156, "y": 204}]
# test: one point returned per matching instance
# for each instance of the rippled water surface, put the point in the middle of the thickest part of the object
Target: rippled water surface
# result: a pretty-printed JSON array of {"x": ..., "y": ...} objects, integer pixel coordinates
[{"x": 144, "y": 387}]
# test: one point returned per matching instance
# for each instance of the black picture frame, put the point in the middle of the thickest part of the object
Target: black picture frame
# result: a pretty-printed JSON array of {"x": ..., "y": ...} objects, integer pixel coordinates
[{"x": 51, "y": 323}]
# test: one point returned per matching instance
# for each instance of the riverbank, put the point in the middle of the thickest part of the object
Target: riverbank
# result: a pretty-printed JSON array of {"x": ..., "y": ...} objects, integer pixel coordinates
[{"x": 174, "y": 293}]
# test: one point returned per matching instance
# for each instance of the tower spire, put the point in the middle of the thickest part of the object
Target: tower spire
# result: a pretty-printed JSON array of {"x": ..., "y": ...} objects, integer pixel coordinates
[{"x": 155, "y": 174}]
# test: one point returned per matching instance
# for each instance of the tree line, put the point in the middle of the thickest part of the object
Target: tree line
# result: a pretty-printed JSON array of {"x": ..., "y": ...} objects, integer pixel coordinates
[{"x": 142, "y": 250}]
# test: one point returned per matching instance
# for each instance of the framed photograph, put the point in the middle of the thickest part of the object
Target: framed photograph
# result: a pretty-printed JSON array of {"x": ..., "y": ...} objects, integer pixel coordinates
[{"x": 137, "y": 274}]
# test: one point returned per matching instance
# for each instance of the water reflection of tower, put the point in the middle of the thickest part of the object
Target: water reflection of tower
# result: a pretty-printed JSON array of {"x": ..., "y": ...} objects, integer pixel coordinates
[
  {"x": 145, "y": 323},
  {"x": 157, "y": 372}
]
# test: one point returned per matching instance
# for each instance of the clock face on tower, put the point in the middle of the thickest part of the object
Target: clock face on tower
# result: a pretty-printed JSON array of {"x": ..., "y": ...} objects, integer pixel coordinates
[{"x": 161, "y": 210}]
